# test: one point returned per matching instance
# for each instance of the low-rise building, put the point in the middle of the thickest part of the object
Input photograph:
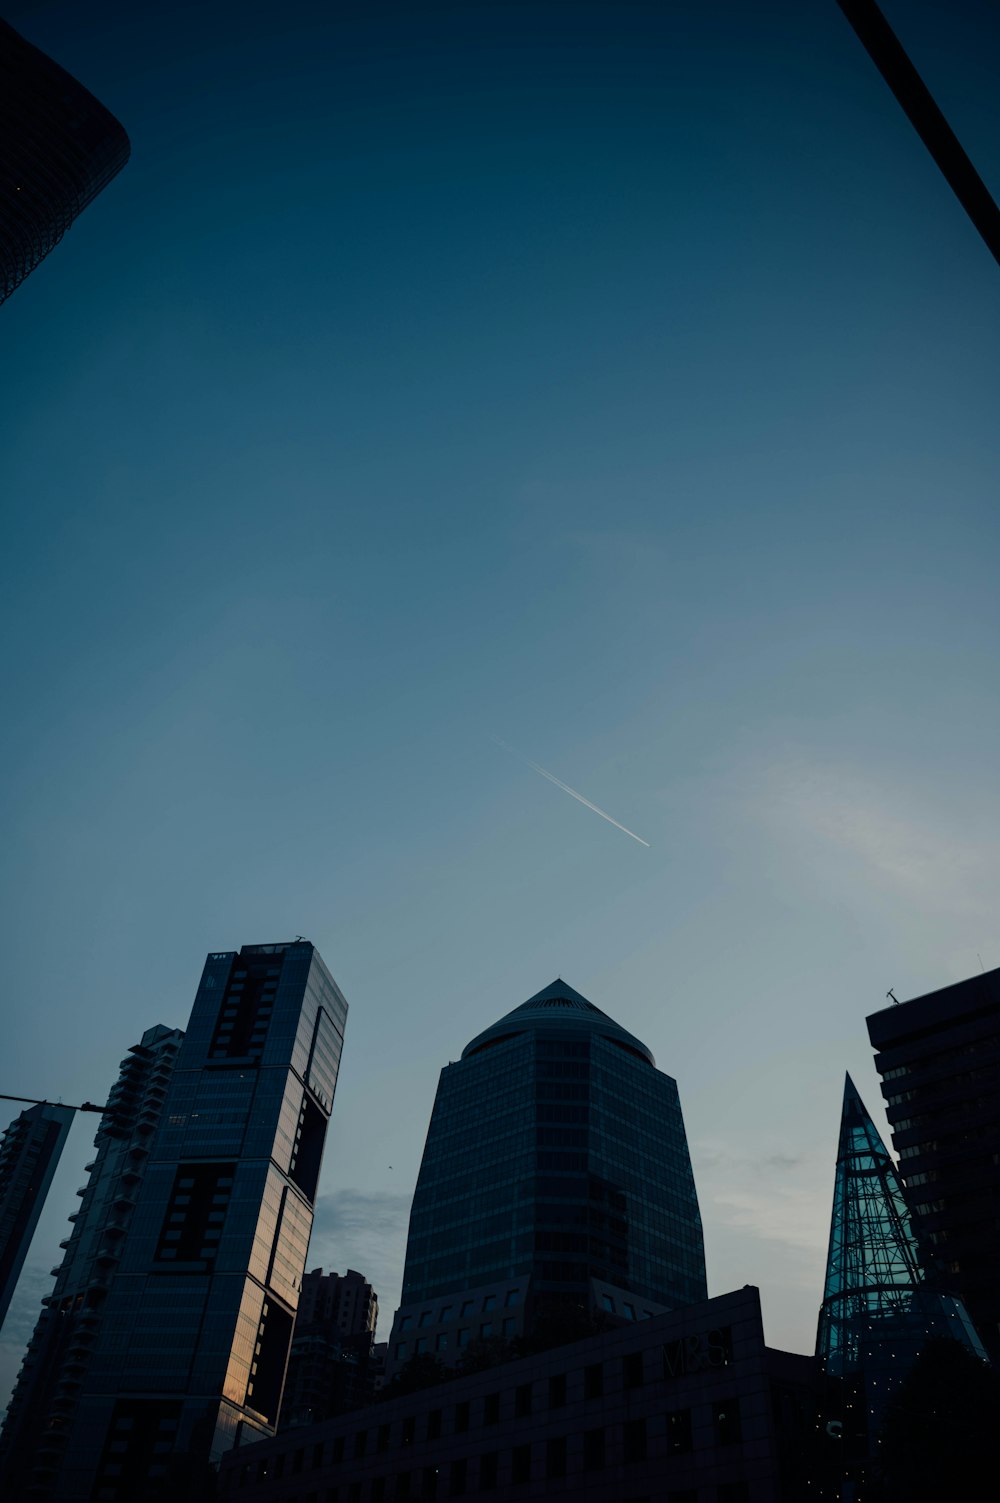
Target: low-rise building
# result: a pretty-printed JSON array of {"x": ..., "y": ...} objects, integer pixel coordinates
[{"x": 684, "y": 1407}]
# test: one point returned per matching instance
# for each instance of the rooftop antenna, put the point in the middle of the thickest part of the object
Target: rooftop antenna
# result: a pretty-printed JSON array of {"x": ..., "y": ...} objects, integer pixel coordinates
[{"x": 892, "y": 994}]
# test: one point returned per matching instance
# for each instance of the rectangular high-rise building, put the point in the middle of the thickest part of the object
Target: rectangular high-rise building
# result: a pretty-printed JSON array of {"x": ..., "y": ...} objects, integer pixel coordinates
[
  {"x": 194, "y": 1339},
  {"x": 45, "y": 1398},
  {"x": 29, "y": 1153},
  {"x": 939, "y": 1059}
]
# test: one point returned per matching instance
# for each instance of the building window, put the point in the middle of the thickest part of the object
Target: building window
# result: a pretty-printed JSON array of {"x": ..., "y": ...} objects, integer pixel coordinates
[
  {"x": 467, "y": 1308},
  {"x": 522, "y": 1400},
  {"x": 488, "y": 1471},
  {"x": 434, "y": 1424},
  {"x": 593, "y": 1450},
  {"x": 629, "y": 1311},
  {"x": 441, "y": 1342},
  {"x": 490, "y": 1302},
  {"x": 459, "y": 1478},
  {"x": 634, "y": 1440},
  {"x": 608, "y": 1303},
  {"x": 382, "y": 1439},
  {"x": 447, "y": 1311},
  {"x": 486, "y": 1329},
  {"x": 360, "y": 1443},
  {"x": 421, "y": 1346},
  {"x": 317, "y": 1459},
  {"x": 378, "y": 1490},
  {"x": 409, "y": 1429},
  {"x": 733, "y": 1492},
  {"x": 425, "y": 1318},
  {"x": 462, "y": 1417},
  {"x": 632, "y": 1370},
  {"x": 491, "y": 1409},
  {"x": 555, "y": 1456},
  {"x": 520, "y": 1464},
  {"x": 728, "y": 1428},
  {"x": 678, "y": 1431},
  {"x": 338, "y": 1448},
  {"x": 557, "y": 1390},
  {"x": 430, "y": 1483},
  {"x": 400, "y": 1351},
  {"x": 463, "y": 1337},
  {"x": 593, "y": 1381},
  {"x": 406, "y": 1322},
  {"x": 511, "y": 1298},
  {"x": 509, "y": 1326}
]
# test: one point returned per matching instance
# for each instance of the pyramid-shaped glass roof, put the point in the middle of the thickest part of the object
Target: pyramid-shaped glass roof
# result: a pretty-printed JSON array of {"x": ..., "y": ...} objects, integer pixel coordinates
[{"x": 556, "y": 1004}]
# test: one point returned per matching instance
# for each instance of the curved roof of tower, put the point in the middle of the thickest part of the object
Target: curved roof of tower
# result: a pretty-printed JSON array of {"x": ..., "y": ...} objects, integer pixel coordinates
[{"x": 556, "y": 1004}]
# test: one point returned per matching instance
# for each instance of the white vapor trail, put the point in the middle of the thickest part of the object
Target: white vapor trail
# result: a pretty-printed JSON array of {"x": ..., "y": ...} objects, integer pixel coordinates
[{"x": 571, "y": 791}]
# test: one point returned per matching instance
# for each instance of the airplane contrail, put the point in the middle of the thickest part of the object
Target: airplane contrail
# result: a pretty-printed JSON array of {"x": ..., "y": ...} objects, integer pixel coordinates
[{"x": 571, "y": 791}]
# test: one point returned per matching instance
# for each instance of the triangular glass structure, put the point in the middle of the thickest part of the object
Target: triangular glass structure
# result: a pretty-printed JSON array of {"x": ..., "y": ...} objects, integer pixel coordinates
[{"x": 878, "y": 1309}]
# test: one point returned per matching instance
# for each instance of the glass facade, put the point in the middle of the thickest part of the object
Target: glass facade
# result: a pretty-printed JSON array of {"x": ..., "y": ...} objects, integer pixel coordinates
[
  {"x": 556, "y": 1150},
  {"x": 61, "y": 147},
  {"x": 878, "y": 1308},
  {"x": 198, "y": 1321}
]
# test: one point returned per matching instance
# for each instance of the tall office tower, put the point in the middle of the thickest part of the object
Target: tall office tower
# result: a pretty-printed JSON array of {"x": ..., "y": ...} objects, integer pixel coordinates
[
  {"x": 58, "y": 148},
  {"x": 191, "y": 1354},
  {"x": 555, "y": 1183},
  {"x": 939, "y": 1059},
  {"x": 29, "y": 1152},
  {"x": 43, "y": 1405},
  {"x": 878, "y": 1308},
  {"x": 330, "y": 1367}
]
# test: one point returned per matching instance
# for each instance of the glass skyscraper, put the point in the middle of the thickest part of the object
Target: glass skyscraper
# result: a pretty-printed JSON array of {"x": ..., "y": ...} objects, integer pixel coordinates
[
  {"x": 556, "y": 1162},
  {"x": 60, "y": 148},
  {"x": 195, "y": 1331}
]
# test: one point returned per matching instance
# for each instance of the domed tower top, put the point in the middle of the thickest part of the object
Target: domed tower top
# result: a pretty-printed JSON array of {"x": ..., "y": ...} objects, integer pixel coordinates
[{"x": 556, "y": 1004}]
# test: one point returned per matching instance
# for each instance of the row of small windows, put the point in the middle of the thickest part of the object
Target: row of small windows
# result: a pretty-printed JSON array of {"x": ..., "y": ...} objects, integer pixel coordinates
[
  {"x": 467, "y": 1309},
  {"x": 550, "y": 1457},
  {"x": 425, "y": 1485}
]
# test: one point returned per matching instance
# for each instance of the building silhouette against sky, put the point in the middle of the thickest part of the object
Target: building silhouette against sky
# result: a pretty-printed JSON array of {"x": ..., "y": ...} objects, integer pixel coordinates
[
  {"x": 29, "y": 1152},
  {"x": 879, "y": 1308},
  {"x": 45, "y": 1398},
  {"x": 330, "y": 1366},
  {"x": 195, "y": 1331},
  {"x": 555, "y": 1184},
  {"x": 939, "y": 1059},
  {"x": 59, "y": 147}
]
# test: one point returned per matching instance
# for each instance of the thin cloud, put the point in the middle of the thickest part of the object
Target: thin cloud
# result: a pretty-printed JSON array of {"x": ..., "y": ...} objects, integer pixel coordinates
[
  {"x": 571, "y": 791},
  {"x": 896, "y": 843},
  {"x": 365, "y": 1230}
]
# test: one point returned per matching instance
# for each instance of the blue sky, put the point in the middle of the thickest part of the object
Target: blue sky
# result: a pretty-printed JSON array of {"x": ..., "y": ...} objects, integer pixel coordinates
[{"x": 617, "y": 380}]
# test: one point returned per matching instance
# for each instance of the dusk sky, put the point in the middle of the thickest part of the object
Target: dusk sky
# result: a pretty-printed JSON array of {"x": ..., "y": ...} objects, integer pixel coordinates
[{"x": 618, "y": 380}]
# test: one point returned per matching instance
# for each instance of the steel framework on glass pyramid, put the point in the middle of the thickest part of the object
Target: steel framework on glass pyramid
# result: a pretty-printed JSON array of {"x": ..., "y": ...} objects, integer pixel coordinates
[{"x": 878, "y": 1309}]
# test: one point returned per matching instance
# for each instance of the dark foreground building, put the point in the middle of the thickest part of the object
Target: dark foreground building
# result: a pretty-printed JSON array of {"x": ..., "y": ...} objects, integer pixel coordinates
[
  {"x": 44, "y": 1402},
  {"x": 687, "y": 1407},
  {"x": 555, "y": 1187},
  {"x": 330, "y": 1367},
  {"x": 58, "y": 148},
  {"x": 939, "y": 1059},
  {"x": 194, "y": 1336},
  {"x": 29, "y": 1152}
]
